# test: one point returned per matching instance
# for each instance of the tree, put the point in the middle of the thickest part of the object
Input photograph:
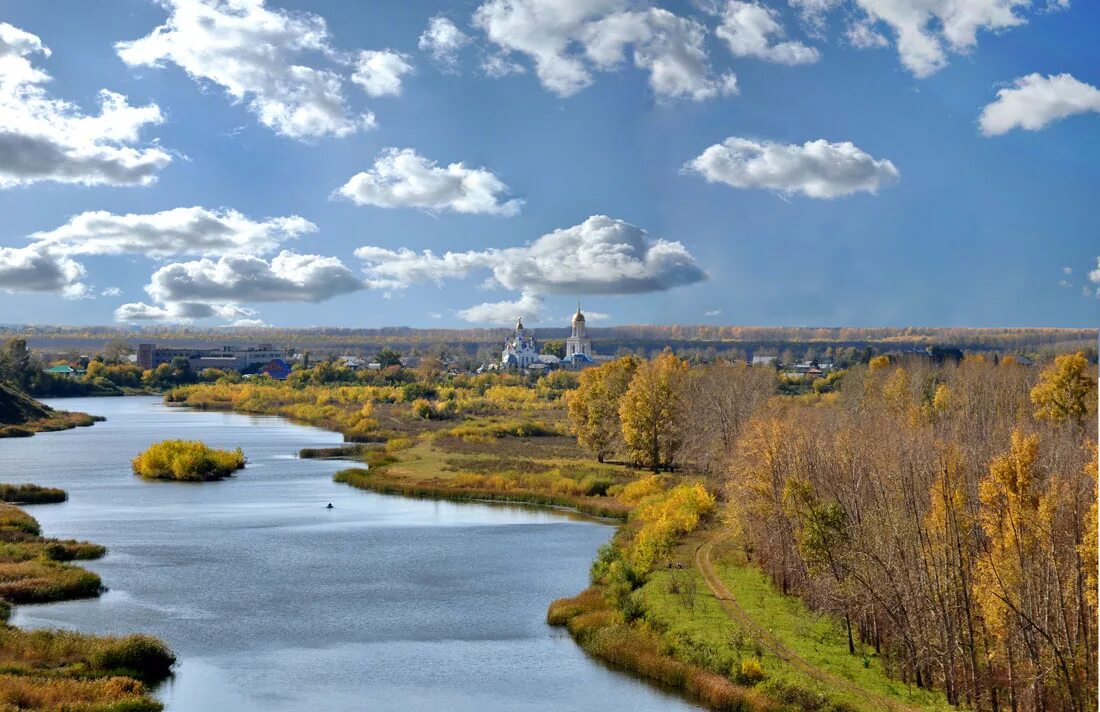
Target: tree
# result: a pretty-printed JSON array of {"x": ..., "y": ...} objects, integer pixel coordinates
[
  {"x": 594, "y": 405},
  {"x": 1066, "y": 389},
  {"x": 116, "y": 350},
  {"x": 388, "y": 357},
  {"x": 650, "y": 410},
  {"x": 555, "y": 347},
  {"x": 15, "y": 363}
]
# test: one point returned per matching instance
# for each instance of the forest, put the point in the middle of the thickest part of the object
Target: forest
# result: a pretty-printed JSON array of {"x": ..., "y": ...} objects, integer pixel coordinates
[{"x": 945, "y": 513}]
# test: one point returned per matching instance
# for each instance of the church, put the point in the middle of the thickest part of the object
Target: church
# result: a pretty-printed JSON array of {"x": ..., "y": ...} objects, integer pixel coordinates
[
  {"x": 521, "y": 350},
  {"x": 578, "y": 347}
]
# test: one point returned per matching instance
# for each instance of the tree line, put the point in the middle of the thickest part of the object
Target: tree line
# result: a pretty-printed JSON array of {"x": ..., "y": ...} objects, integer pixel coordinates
[{"x": 945, "y": 513}]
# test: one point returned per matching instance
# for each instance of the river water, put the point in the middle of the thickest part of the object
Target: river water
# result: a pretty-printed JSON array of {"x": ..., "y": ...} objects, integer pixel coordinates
[{"x": 273, "y": 602}]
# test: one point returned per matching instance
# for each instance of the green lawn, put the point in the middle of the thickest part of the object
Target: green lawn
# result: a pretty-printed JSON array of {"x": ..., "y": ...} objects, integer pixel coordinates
[{"x": 707, "y": 633}]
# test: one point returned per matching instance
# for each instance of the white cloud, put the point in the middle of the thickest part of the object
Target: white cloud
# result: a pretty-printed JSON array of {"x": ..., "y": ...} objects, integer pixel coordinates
[
  {"x": 255, "y": 54},
  {"x": 289, "y": 276},
  {"x": 443, "y": 41},
  {"x": 111, "y": 292},
  {"x": 36, "y": 269},
  {"x": 179, "y": 231},
  {"x": 567, "y": 39},
  {"x": 926, "y": 30},
  {"x": 863, "y": 35},
  {"x": 47, "y": 139},
  {"x": 1067, "y": 270},
  {"x": 528, "y": 307},
  {"x": 1094, "y": 275},
  {"x": 751, "y": 30},
  {"x": 712, "y": 312},
  {"x": 401, "y": 178},
  {"x": 185, "y": 313},
  {"x": 817, "y": 169},
  {"x": 379, "y": 72},
  {"x": 598, "y": 256},
  {"x": 1034, "y": 101}
]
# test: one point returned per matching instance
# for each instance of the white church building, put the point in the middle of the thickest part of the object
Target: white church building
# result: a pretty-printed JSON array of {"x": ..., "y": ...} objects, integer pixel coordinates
[{"x": 521, "y": 349}]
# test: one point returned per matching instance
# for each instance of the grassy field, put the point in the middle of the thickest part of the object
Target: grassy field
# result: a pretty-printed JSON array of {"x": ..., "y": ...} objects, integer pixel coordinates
[{"x": 699, "y": 629}]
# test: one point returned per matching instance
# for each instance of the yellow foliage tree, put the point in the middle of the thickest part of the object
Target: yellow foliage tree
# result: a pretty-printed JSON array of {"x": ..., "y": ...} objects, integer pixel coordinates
[
  {"x": 1066, "y": 389},
  {"x": 649, "y": 411},
  {"x": 594, "y": 405}
]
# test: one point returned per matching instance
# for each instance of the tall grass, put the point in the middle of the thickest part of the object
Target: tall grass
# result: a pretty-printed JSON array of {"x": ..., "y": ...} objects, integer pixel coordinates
[
  {"x": 601, "y": 631},
  {"x": 187, "y": 460},
  {"x": 31, "y": 494}
]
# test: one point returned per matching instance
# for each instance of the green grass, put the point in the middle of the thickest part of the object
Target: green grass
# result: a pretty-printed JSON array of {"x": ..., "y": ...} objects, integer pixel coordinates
[{"x": 707, "y": 636}]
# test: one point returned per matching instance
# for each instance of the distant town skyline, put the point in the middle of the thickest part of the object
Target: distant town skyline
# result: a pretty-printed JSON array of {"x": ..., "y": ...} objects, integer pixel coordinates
[{"x": 457, "y": 164}]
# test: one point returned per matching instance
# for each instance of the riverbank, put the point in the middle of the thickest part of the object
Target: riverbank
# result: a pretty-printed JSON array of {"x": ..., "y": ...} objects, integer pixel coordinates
[
  {"x": 661, "y": 624},
  {"x": 51, "y": 669},
  {"x": 22, "y": 416}
]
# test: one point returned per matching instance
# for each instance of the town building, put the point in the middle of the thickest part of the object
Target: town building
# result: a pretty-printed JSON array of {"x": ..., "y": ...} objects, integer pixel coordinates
[{"x": 227, "y": 358}]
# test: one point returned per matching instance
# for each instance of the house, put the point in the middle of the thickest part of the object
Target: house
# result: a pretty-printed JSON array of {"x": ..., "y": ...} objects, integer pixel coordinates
[
  {"x": 764, "y": 360},
  {"x": 276, "y": 368},
  {"x": 65, "y": 370}
]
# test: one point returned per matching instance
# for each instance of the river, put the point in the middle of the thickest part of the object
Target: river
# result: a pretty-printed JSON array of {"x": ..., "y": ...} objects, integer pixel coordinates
[{"x": 273, "y": 602}]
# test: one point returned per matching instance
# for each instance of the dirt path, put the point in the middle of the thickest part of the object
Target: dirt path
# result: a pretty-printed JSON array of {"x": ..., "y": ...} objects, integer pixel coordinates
[{"x": 773, "y": 644}]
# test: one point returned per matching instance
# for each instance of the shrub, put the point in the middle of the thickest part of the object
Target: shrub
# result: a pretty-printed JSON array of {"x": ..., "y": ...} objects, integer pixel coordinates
[
  {"x": 595, "y": 485},
  {"x": 751, "y": 672},
  {"x": 634, "y": 492},
  {"x": 187, "y": 460},
  {"x": 140, "y": 656},
  {"x": 31, "y": 494}
]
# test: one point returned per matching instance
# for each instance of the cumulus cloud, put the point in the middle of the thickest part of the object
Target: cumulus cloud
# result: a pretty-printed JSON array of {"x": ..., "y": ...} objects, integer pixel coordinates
[
  {"x": 36, "y": 269},
  {"x": 712, "y": 312},
  {"x": 379, "y": 72},
  {"x": 256, "y": 55},
  {"x": 443, "y": 41},
  {"x": 568, "y": 39},
  {"x": 1094, "y": 275},
  {"x": 288, "y": 277},
  {"x": 185, "y": 313},
  {"x": 924, "y": 32},
  {"x": 402, "y": 178},
  {"x": 48, "y": 139},
  {"x": 817, "y": 169},
  {"x": 179, "y": 231},
  {"x": 599, "y": 256},
  {"x": 1035, "y": 101},
  {"x": 528, "y": 307},
  {"x": 750, "y": 29},
  {"x": 111, "y": 292}
]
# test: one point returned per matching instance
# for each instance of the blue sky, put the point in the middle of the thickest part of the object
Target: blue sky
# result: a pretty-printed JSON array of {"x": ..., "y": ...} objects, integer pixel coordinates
[{"x": 841, "y": 185}]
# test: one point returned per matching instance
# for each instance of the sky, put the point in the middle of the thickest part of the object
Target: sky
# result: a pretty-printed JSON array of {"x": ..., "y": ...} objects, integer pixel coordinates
[{"x": 370, "y": 163}]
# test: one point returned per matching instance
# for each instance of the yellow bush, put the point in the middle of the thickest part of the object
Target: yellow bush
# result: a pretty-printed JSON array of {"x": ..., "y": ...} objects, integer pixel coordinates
[{"x": 186, "y": 460}]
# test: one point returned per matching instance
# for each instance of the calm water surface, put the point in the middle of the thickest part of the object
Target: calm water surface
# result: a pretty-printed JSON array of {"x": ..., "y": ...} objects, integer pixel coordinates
[{"x": 273, "y": 602}]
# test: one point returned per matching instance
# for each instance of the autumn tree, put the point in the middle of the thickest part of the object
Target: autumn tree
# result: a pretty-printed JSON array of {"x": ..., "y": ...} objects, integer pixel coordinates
[
  {"x": 1066, "y": 389},
  {"x": 650, "y": 411},
  {"x": 594, "y": 405}
]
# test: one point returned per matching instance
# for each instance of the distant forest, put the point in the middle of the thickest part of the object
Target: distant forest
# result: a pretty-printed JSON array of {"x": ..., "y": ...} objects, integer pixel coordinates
[{"x": 694, "y": 342}]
